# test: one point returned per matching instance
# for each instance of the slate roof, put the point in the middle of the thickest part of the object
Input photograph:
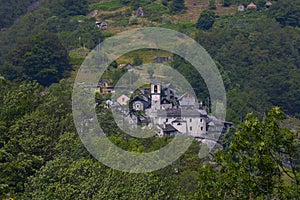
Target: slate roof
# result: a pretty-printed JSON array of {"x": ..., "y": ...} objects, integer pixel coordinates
[
  {"x": 168, "y": 128},
  {"x": 177, "y": 112}
]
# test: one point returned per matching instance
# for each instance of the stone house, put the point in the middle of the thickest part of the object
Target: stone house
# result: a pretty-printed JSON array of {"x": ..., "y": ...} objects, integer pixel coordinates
[
  {"x": 268, "y": 4},
  {"x": 251, "y": 6},
  {"x": 241, "y": 8},
  {"x": 140, "y": 12}
]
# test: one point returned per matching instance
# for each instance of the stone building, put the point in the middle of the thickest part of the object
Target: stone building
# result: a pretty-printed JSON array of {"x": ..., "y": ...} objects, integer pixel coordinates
[{"x": 172, "y": 114}]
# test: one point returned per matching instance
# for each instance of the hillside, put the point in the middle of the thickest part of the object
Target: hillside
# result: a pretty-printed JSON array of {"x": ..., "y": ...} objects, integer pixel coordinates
[{"x": 42, "y": 46}]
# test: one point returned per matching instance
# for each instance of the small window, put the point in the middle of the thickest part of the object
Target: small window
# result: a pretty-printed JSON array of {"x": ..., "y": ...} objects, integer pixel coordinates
[
  {"x": 167, "y": 120},
  {"x": 191, "y": 120},
  {"x": 191, "y": 128},
  {"x": 155, "y": 88},
  {"x": 201, "y": 120},
  {"x": 201, "y": 128}
]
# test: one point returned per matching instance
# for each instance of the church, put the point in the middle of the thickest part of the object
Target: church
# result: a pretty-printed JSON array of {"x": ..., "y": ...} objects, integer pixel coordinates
[{"x": 171, "y": 113}]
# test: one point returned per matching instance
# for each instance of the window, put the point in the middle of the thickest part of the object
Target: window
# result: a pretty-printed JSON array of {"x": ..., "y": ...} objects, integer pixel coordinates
[
  {"x": 167, "y": 120},
  {"x": 191, "y": 128},
  {"x": 201, "y": 128},
  {"x": 201, "y": 120},
  {"x": 191, "y": 120},
  {"x": 155, "y": 88}
]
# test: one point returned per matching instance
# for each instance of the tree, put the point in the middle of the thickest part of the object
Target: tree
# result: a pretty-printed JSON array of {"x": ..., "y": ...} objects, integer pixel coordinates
[
  {"x": 137, "y": 61},
  {"x": 65, "y": 8},
  {"x": 10, "y": 11},
  {"x": 76, "y": 7},
  {"x": 261, "y": 155},
  {"x": 19, "y": 100},
  {"x": 114, "y": 64},
  {"x": 125, "y": 2},
  {"x": 43, "y": 59},
  {"x": 177, "y": 6},
  {"x": 206, "y": 20},
  {"x": 226, "y": 3},
  {"x": 212, "y": 5},
  {"x": 287, "y": 13}
]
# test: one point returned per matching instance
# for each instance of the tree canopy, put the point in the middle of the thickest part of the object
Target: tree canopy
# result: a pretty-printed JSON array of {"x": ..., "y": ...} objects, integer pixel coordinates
[
  {"x": 206, "y": 20},
  {"x": 41, "y": 58}
]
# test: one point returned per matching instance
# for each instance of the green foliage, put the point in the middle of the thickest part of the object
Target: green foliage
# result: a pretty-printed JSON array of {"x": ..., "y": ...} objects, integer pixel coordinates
[
  {"x": 31, "y": 122},
  {"x": 226, "y": 3},
  {"x": 177, "y": 6},
  {"x": 42, "y": 157},
  {"x": 67, "y": 8},
  {"x": 255, "y": 164},
  {"x": 125, "y": 2},
  {"x": 212, "y": 5},
  {"x": 194, "y": 78},
  {"x": 11, "y": 10},
  {"x": 137, "y": 61},
  {"x": 114, "y": 64},
  {"x": 76, "y": 7},
  {"x": 259, "y": 58},
  {"x": 42, "y": 58},
  {"x": 154, "y": 11},
  {"x": 18, "y": 100},
  {"x": 108, "y": 5},
  {"x": 135, "y": 4},
  {"x": 287, "y": 13},
  {"x": 206, "y": 20}
]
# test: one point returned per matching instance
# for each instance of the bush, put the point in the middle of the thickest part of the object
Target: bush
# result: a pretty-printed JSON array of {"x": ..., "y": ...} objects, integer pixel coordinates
[{"x": 206, "y": 20}]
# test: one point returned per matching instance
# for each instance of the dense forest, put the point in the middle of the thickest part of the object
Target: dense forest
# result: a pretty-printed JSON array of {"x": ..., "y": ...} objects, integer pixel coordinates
[{"x": 42, "y": 45}]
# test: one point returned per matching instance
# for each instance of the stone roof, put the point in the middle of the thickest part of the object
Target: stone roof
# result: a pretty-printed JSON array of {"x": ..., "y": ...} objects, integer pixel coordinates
[
  {"x": 178, "y": 112},
  {"x": 168, "y": 128},
  {"x": 169, "y": 85}
]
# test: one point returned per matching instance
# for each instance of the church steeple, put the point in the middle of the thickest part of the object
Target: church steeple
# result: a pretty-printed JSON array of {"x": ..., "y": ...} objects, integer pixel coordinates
[{"x": 155, "y": 94}]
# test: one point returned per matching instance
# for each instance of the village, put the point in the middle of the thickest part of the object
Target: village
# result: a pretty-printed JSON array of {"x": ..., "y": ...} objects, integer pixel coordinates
[{"x": 171, "y": 113}]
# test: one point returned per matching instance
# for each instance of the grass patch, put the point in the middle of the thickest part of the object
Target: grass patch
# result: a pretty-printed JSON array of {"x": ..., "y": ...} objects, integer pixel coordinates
[
  {"x": 116, "y": 15},
  {"x": 154, "y": 11},
  {"x": 77, "y": 17},
  {"x": 121, "y": 22},
  {"x": 174, "y": 27},
  {"x": 77, "y": 56},
  {"x": 147, "y": 55},
  {"x": 107, "y": 5},
  {"x": 181, "y": 26}
]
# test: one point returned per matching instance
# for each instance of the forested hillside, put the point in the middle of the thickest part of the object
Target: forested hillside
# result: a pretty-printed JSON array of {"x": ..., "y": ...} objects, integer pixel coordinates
[{"x": 42, "y": 45}]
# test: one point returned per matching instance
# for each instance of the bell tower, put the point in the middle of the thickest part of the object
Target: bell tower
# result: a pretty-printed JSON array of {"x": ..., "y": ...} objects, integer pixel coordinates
[{"x": 155, "y": 95}]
